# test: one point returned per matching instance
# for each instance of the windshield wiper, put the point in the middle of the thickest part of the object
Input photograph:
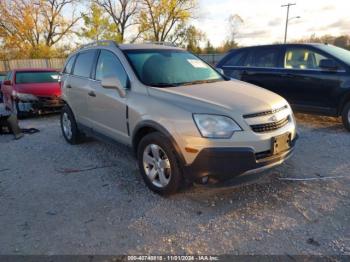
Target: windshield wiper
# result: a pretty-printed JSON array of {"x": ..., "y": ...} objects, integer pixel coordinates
[
  {"x": 199, "y": 82},
  {"x": 162, "y": 84}
]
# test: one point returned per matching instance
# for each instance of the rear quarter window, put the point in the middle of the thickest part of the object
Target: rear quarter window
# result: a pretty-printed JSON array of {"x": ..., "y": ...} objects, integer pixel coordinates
[{"x": 69, "y": 66}]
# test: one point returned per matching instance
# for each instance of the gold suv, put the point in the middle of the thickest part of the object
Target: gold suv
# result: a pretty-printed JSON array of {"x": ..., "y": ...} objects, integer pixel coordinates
[{"x": 184, "y": 119}]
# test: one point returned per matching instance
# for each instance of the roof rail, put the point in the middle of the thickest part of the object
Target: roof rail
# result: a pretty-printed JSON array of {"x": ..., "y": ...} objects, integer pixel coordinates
[
  {"x": 100, "y": 43},
  {"x": 162, "y": 43}
]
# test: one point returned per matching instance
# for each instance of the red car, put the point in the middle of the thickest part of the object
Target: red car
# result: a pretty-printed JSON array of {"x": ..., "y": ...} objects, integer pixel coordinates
[{"x": 32, "y": 90}]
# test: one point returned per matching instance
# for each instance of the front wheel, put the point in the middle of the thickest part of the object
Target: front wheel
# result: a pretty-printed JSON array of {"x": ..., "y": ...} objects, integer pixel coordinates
[
  {"x": 69, "y": 126},
  {"x": 158, "y": 164},
  {"x": 346, "y": 116}
]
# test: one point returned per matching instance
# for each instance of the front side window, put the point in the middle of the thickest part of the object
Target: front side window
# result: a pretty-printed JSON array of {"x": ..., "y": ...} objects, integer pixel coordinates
[
  {"x": 83, "y": 64},
  {"x": 37, "y": 77},
  {"x": 109, "y": 65},
  {"x": 262, "y": 57},
  {"x": 302, "y": 58},
  {"x": 165, "y": 68}
]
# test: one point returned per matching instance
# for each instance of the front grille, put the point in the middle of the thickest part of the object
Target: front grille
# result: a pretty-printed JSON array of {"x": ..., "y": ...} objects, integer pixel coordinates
[
  {"x": 265, "y": 113},
  {"x": 270, "y": 126}
]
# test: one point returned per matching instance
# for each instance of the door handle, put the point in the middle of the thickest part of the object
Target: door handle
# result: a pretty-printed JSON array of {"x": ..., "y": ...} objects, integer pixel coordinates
[
  {"x": 68, "y": 86},
  {"x": 92, "y": 93}
]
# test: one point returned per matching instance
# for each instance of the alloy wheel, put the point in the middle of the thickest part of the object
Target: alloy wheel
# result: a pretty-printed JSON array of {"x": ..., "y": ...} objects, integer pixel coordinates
[
  {"x": 157, "y": 165},
  {"x": 67, "y": 126}
]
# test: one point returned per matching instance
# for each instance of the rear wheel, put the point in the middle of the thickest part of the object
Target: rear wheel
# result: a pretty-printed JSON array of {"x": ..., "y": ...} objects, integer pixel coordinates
[
  {"x": 69, "y": 127},
  {"x": 158, "y": 164},
  {"x": 346, "y": 116}
]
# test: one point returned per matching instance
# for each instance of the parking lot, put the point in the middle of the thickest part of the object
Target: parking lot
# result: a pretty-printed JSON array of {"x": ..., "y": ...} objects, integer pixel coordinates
[{"x": 90, "y": 199}]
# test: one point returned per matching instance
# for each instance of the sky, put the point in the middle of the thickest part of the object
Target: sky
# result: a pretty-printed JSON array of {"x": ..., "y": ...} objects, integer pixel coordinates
[{"x": 264, "y": 21}]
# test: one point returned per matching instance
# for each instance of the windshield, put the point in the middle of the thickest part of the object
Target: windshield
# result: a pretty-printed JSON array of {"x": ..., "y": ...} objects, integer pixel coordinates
[
  {"x": 340, "y": 53},
  {"x": 165, "y": 68},
  {"x": 36, "y": 77}
]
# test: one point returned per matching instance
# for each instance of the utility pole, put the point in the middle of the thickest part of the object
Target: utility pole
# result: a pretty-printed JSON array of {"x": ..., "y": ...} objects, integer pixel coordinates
[{"x": 287, "y": 20}]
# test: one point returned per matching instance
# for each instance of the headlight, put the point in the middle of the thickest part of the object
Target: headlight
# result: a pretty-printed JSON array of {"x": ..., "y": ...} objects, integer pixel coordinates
[
  {"x": 215, "y": 126},
  {"x": 25, "y": 97}
]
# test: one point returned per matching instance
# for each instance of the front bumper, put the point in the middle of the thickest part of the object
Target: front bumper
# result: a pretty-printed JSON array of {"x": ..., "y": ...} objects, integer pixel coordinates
[
  {"x": 224, "y": 163},
  {"x": 42, "y": 103}
]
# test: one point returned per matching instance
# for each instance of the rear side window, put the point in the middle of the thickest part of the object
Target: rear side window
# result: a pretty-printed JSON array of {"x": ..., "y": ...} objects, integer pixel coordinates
[
  {"x": 236, "y": 59},
  {"x": 262, "y": 57},
  {"x": 69, "y": 66},
  {"x": 83, "y": 64},
  {"x": 109, "y": 65},
  {"x": 36, "y": 77}
]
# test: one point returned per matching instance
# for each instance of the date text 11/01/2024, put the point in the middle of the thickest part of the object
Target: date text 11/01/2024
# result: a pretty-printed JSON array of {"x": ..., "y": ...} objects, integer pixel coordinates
[{"x": 173, "y": 258}]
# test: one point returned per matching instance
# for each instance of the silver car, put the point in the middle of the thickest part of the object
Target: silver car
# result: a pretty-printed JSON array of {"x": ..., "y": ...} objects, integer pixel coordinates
[{"x": 184, "y": 119}]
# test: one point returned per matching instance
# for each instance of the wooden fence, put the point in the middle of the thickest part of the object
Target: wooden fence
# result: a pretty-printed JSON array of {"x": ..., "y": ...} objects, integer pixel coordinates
[{"x": 57, "y": 63}]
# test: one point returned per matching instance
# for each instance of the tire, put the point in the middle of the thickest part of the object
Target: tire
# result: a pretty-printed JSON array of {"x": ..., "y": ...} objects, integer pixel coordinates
[
  {"x": 165, "y": 168},
  {"x": 69, "y": 127},
  {"x": 346, "y": 116}
]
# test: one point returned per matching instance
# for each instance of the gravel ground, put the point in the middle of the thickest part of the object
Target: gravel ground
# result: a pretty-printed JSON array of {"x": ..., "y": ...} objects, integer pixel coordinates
[{"x": 48, "y": 207}]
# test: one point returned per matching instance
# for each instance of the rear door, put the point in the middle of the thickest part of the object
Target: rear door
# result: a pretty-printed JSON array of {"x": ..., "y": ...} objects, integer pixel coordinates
[
  {"x": 106, "y": 108},
  {"x": 308, "y": 85},
  {"x": 259, "y": 66},
  {"x": 78, "y": 85},
  {"x": 262, "y": 68}
]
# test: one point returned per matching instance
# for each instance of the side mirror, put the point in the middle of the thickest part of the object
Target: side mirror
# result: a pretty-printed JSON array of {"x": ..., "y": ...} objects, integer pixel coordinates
[
  {"x": 7, "y": 82},
  {"x": 112, "y": 82},
  {"x": 220, "y": 70},
  {"x": 328, "y": 64}
]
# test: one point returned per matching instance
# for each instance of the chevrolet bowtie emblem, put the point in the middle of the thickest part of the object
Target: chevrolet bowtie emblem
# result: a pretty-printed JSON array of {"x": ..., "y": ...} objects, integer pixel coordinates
[{"x": 273, "y": 119}]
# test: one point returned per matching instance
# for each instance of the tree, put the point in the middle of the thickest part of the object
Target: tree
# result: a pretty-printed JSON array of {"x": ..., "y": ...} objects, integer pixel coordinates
[
  {"x": 97, "y": 26},
  {"x": 123, "y": 14},
  {"x": 234, "y": 22},
  {"x": 20, "y": 24},
  {"x": 56, "y": 25},
  {"x": 161, "y": 20},
  {"x": 31, "y": 27},
  {"x": 227, "y": 46},
  {"x": 342, "y": 41},
  {"x": 188, "y": 37},
  {"x": 209, "y": 49}
]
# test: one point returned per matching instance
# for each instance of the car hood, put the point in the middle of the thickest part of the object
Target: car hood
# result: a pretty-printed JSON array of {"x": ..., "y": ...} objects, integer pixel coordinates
[
  {"x": 39, "y": 89},
  {"x": 233, "y": 96}
]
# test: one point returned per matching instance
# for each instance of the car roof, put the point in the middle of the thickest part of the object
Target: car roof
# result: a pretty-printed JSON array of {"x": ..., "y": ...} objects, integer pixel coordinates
[
  {"x": 281, "y": 45},
  {"x": 147, "y": 46}
]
